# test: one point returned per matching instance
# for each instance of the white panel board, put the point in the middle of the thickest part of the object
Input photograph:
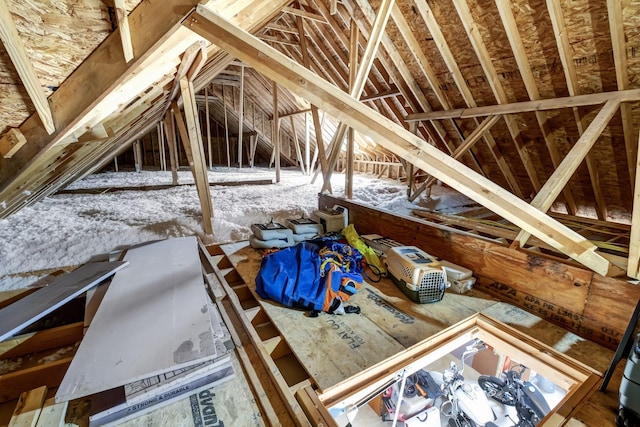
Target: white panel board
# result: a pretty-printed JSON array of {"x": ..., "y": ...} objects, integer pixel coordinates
[
  {"x": 153, "y": 318},
  {"x": 35, "y": 306}
]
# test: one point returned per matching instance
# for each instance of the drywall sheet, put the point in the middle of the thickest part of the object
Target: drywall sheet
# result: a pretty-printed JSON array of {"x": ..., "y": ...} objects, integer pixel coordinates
[
  {"x": 154, "y": 318},
  {"x": 35, "y": 306}
]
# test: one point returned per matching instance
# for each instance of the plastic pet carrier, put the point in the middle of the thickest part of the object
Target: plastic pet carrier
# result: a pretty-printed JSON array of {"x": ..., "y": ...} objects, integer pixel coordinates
[{"x": 419, "y": 275}]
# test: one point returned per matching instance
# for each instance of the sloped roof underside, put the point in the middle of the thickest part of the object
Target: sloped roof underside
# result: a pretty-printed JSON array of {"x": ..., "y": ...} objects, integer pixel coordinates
[{"x": 437, "y": 62}]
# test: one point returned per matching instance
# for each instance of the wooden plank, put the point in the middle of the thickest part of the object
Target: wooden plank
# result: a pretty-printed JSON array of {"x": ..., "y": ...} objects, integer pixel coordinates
[
  {"x": 28, "y": 408},
  {"x": 11, "y": 142},
  {"x": 513, "y": 35},
  {"x": 240, "y": 117},
  {"x": 353, "y": 69},
  {"x": 275, "y": 140},
  {"x": 616, "y": 25},
  {"x": 396, "y": 139},
  {"x": 18, "y": 54},
  {"x": 558, "y": 180},
  {"x": 35, "y": 342},
  {"x": 553, "y": 290},
  {"x": 48, "y": 374},
  {"x": 633, "y": 264},
  {"x": 52, "y": 414},
  {"x": 359, "y": 81},
  {"x": 194, "y": 141},
  {"x": 630, "y": 95},
  {"x": 304, "y": 14},
  {"x": 33, "y": 307},
  {"x": 125, "y": 31},
  {"x": 157, "y": 304},
  {"x": 317, "y": 124},
  {"x": 465, "y": 91}
]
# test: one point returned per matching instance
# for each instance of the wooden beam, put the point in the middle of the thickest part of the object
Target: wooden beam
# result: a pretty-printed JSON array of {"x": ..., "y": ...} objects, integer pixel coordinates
[
  {"x": 353, "y": 67},
  {"x": 28, "y": 408},
  {"x": 276, "y": 131},
  {"x": 304, "y": 14},
  {"x": 633, "y": 265},
  {"x": 539, "y": 105},
  {"x": 240, "y": 117},
  {"x": 517, "y": 47},
  {"x": 187, "y": 60},
  {"x": 193, "y": 143},
  {"x": 226, "y": 127},
  {"x": 206, "y": 113},
  {"x": 498, "y": 91},
  {"x": 396, "y": 139},
  {"x": 378, "y": 30},
  {"x": 616, "y": 25},
  {"x": 465, "y": 91},
  {"x": 123, "y": 26},
  {"x": 333, "y": 6},
  {"x": 169, "y": 126},
  {"x": 317, "y": 124},
  {"x": 295, "y": 142},
  {"x": 24, "y": 67},
  {"x": 473, "y": 137},
  {"x": 281, "y": 28},
  {"x": 307, "y": 145},
  {"x": 293, "y": 113},
  {"x": 11, "y": 142},
  {"x": 280, "y": 40},
  {"x": 198, "y": 62},
  {"x": 566, "y": 54},
  {"x": 558, "y": 180},
  {"x": 382, "y": 95}
]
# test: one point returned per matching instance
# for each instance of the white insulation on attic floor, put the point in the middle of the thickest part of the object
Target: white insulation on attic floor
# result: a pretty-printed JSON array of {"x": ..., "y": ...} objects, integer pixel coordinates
[{"x": 71, "y": 229}]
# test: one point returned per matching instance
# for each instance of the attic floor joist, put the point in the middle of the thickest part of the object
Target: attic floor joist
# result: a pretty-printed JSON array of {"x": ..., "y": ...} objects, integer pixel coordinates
[{"x": 401, "y": 142}]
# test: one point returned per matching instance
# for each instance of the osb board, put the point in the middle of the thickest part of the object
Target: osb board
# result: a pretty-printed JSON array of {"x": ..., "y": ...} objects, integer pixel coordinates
[
  {"x": 408, "y": 322},
  {"x": 229, "y": 403},
  {"x": 598, "y": 322},
  {"x": 580, "y": 349},
  {"x": 57, "y": 36},
  {"x": 332, "y": 348},
  {"x": 558, "y": 292}
]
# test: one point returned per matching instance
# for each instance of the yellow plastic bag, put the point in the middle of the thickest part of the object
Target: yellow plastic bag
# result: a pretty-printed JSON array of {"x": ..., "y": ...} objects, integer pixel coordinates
[{"x": 369, "y": 254}]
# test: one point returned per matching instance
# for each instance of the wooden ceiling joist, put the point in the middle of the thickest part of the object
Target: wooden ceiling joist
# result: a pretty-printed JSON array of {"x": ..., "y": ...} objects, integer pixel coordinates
[
  {"x": 631, "y": 95},
  {"x": 15, "y": 48},
  {"x": 392, "y": 136},
  {"x": 304, "y": 14}
]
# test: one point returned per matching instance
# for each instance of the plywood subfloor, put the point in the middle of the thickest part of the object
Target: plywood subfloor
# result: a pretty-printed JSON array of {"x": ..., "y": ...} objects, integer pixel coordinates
[{"x": 401, "y": 323}]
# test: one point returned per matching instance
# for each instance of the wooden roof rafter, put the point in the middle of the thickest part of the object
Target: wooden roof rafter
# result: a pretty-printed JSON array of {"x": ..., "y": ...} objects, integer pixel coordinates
[
  {"x": 18, "y": 54},
  {"x": 513, "y": 35},
  {"x": 616, "y": 25},
  {"x": 562, "y": 40},
  {"x": 447, "y": 55},
  {"x": 400, "y": 141}
]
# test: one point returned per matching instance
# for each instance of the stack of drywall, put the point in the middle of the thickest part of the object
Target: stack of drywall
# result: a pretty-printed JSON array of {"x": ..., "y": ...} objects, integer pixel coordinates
[{"x": 155, "y": 336}]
